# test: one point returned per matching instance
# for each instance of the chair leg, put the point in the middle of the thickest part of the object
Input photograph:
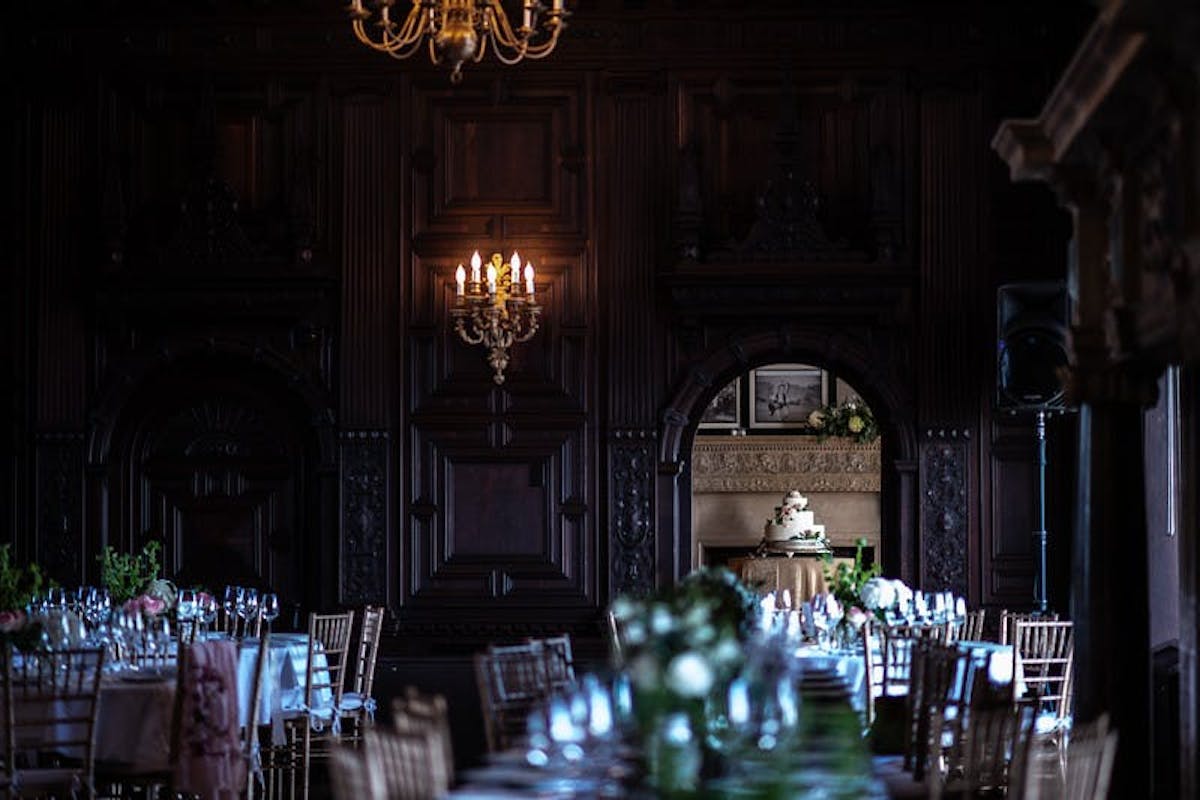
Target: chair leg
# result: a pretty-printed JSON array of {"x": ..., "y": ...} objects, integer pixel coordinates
[{"x": 307, "y": 764}]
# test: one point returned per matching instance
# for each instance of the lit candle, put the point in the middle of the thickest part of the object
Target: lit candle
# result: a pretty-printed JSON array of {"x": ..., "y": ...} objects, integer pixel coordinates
[
  {"x": 514, "y": 272},
  {"x": 460, "y": 278},
  {"x": 491, "y": 276},
  {"x": 529, "y": 280},
  {"x": 357, "y": 6},
  {"x": 475, "y": 262},
  {"x": 558, "y": 5},
  {"x": 528, "y": 14}
]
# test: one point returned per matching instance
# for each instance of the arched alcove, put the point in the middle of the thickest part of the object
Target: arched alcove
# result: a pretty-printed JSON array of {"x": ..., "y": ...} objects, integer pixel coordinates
[
  {"x": 221, "y": 456},
  {"x": 775, "y": 429},
  {"x": 863, "y": 363}
]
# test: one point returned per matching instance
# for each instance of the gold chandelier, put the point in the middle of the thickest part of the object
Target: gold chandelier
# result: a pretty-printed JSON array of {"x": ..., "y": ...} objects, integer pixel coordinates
[
  {"x": 494, "y": 309},
  {"x": 459, "y": 30}
]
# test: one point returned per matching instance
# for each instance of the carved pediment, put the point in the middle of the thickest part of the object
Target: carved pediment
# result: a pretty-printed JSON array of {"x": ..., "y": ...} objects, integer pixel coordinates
[{"x": 783, "y": 463}]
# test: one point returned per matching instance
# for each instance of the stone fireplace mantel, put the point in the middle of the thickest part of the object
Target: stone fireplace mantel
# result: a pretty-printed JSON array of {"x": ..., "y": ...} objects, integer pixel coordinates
[{"x": 782, "y": 463}]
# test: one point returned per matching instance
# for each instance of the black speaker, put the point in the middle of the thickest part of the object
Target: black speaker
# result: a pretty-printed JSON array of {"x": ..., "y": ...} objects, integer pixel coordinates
[{"x": 1031, "y": 332}]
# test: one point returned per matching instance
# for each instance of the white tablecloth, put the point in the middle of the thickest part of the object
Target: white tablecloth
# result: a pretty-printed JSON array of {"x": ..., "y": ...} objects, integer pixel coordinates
[{"x": 133, "y": 719}]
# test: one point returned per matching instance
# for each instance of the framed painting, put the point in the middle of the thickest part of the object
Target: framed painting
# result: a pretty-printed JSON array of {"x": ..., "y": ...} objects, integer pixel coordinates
[
  {"x": 725, "y": 410},
  {"x": 783, "y": 395}
]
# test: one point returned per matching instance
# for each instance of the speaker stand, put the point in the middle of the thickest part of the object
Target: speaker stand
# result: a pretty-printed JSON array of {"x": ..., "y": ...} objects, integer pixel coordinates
[{"x": 1039, "y": 535}]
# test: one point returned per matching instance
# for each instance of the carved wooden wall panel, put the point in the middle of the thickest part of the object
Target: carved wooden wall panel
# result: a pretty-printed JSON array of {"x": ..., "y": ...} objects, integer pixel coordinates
[
  {"x": 848, "y": 135},
  {"x": 945, "y": 510},
  {"x": 58, "y": 477}
]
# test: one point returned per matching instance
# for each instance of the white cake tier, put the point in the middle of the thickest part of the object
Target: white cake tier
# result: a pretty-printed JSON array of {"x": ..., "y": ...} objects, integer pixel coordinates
[{"x": 782, "y": 533}]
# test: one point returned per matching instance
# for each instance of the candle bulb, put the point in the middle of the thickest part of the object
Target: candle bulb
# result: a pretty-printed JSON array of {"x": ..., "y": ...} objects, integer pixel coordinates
[
  {"x": 514, "y": 273},
  {"x": 475, "y": 263},
  {"x": 460, "y": 279},
  {"x": 528, "y": 17},
  {"x": 491, "y": 279},
  {"x": 529, "y": 280}
]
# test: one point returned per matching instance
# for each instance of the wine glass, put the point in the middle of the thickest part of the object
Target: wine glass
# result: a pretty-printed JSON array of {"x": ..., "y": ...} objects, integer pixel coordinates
[
  {"x": 207, "y": 609},
  {"x": 270, "y": 607},
  {"x": 230, "y": 603}
]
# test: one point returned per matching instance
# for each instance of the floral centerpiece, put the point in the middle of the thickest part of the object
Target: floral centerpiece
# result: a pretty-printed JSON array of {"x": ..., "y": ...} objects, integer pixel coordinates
[
  {"x": 678, "y": 647},
  {"x": 18, "y": 587},
  {"x": 132, "y": 580},
  {"x": 851, "y": 419},
  {"x": 846, "y": 583}
]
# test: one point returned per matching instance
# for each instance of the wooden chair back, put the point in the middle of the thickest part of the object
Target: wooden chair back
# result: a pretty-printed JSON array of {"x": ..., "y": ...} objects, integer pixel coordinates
[
  {"x": 968, "y": 628},
  {"x": 1010, "y": 618},
  {"x": 328, "y": 634},
  {"x": 416, "y": 712},
  {"x": 560, "y": 663},
  {"x": 349, "y": 774},
  {"x": 1043, "y": 657},
  {"x": 50, "y": 706},
  {"x": 250, "y": 741},
  {"x": 938, "y": 673},
  {"x": 367, "y": 652},
  {"x": 511, "y": 680},
  {"x": 985, "y": 743},
  {"x": 404, "y": 766}
]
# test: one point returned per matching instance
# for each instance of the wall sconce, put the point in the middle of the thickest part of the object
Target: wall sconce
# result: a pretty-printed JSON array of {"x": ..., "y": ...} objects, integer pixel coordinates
[{"x": 494, "y": 308}]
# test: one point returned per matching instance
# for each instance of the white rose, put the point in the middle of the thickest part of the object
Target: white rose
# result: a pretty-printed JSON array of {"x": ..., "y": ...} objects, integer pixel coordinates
[
  {"x": 690, "y": 675},
  {"x": 904, "y": 595},
  {"x": 877, "y": 593}
]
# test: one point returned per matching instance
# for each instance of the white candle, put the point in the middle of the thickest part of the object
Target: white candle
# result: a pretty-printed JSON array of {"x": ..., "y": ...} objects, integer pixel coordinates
[
  {"x": 475, "y": 264},
  {"x": 529, "y": 280},
  {"x": 528, "y": 17},
  {"x": 558, "y": 5},
  {"x": 491, "y": 278},
  {"x": 460, "y": 278},
  {"x": 514, "y": 272}
]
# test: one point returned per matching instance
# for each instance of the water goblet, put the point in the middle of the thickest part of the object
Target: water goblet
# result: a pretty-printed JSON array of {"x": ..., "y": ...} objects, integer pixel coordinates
[{"x": 270, "y": 607}]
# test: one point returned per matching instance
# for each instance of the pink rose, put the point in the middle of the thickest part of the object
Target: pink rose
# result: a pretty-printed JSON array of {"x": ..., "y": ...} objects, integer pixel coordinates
[
  {"x": 146, "y": 604},
  {"x": 11, "y": 621},
  {"x": 857, "y": 617}
]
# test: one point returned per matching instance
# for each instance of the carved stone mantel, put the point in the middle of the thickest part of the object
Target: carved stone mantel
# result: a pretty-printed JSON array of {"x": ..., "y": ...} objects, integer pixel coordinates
[{"x": 783, "y": 463}]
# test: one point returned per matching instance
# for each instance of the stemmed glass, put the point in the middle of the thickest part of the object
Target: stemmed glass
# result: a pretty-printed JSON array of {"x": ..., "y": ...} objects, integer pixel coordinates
[
  {"x": 247, "y": 606},
  {"x": 206, "y": 609},
  {"x": 270, "y": 608},
  {"x": 230, "y": 603}
]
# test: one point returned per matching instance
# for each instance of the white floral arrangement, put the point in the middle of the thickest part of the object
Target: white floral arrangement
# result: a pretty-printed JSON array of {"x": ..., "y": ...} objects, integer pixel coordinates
[{"x": 881, "y": 595}]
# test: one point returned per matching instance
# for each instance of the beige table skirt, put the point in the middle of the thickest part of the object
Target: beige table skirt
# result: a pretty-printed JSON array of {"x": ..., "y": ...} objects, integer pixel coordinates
[{"x": 802, "y": 576}]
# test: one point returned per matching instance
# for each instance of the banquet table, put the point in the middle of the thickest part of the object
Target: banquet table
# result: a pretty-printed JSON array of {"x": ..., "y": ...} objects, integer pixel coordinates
[
  {"x": 133, "y": 715},
  {"x": 801, "y": 575}
]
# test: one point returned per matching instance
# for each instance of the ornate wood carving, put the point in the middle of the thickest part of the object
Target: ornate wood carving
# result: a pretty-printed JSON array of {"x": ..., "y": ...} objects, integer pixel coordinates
[
  {"x": 631, "y": 458},
  {"x": 364, "y": 514},
  {"x": 59, "y": 492},
  {"x": 782, "y": 463},
  {"x": 945, "y": 521}
]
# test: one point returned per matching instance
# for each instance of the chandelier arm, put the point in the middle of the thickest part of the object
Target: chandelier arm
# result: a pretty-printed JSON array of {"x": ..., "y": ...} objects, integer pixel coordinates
[
  {"x": 501, "y": 28},
  {"x": 540, "y": 51},
  {"x": 482, "y": 49}
]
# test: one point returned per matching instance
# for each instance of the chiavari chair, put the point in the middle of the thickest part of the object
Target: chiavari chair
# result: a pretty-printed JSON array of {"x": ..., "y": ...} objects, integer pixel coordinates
[
  {"x": 980, "y": 760},
  {"x": 358, "y": 705},
  {"x": 312, "y": 733},
  {"x": 1038, "y": 773},
  {"x": 511, "y": 681},
  {"x": 251, "y": 742},
  {"x": 939, "y": 675},
  {"x": 969, "y": 628},
  {"x": 50, "y": 702},
  {"x": 416, "y": 711},
  {"x": 349, "y": 774},
  {"x": 1010, "y": 618},
  {"x": 560, "y": 663},
  {"x": 404, "y": 765},
  {"x": 1043, "y": 658}
]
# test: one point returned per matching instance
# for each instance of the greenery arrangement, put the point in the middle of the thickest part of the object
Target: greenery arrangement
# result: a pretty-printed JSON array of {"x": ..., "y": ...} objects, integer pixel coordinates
[
  {"x": 851, "y": 419},
  {"x": 846, "y": 581},
  {"x": 127, "y": 575},
  {"x": 18, "y": 585}
]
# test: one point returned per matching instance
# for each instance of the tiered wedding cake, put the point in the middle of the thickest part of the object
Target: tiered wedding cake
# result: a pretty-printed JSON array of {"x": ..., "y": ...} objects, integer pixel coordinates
[{"x": 793, "y": 525}]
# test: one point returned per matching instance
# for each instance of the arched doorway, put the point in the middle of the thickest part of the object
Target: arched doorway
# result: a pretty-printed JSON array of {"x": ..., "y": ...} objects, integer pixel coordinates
[
  {"x": 216, "y": 456},
  {"x": 777, "y": 429},
  {"x": 859, "y": 363}
]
